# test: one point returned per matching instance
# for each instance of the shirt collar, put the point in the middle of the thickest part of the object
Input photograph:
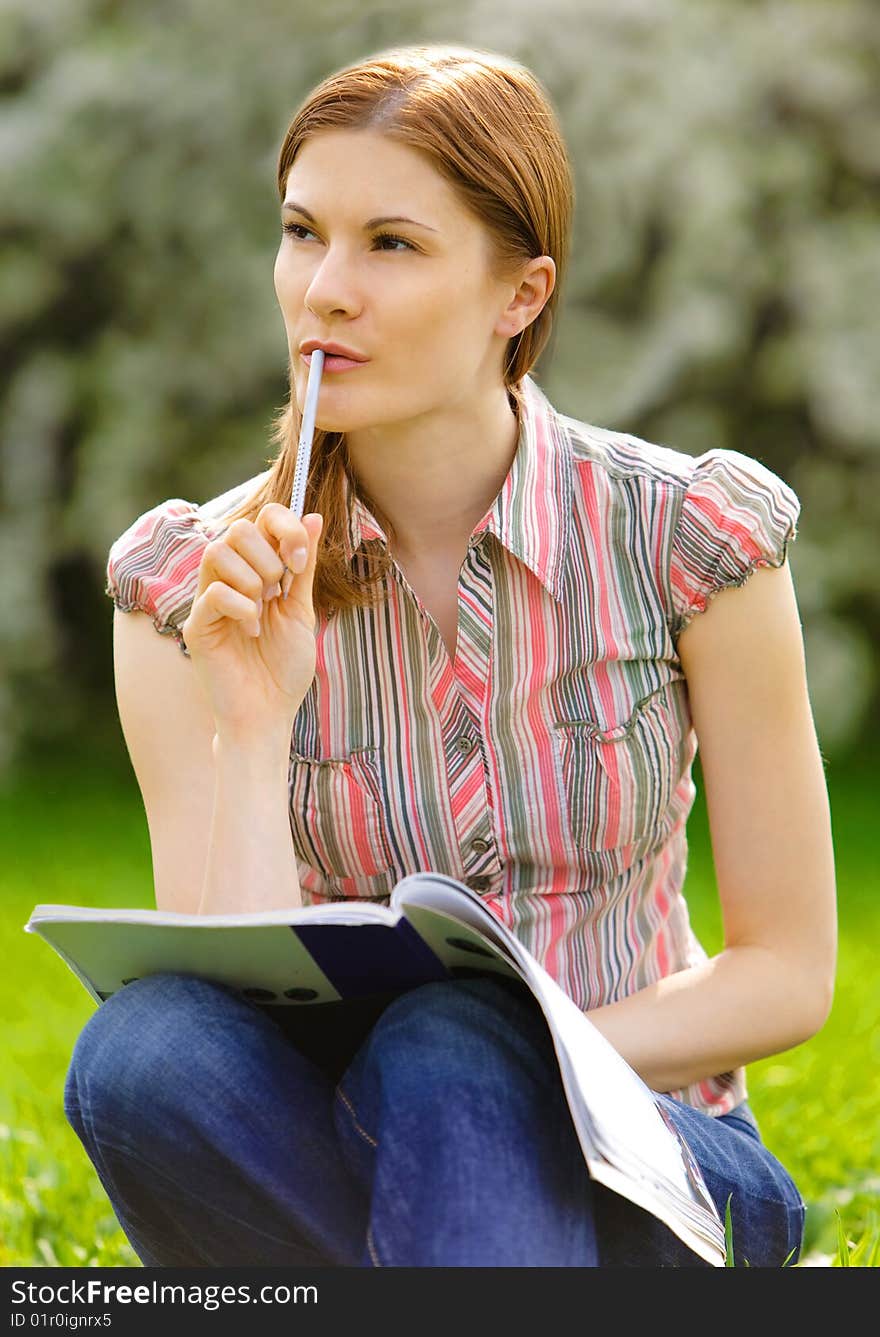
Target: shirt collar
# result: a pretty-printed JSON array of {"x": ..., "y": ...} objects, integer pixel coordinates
[{"x": 532, "y": 514}]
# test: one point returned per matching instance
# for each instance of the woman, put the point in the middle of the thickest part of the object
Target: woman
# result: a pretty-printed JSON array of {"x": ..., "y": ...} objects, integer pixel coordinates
[{"x": 505, "y": 630}]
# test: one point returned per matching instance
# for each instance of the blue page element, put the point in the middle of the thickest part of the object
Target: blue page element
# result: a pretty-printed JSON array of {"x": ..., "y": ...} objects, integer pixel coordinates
[{"x": 363, "y": 959}]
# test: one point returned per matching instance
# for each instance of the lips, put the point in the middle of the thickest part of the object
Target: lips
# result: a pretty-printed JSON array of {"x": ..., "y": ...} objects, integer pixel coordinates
[
  {"x": 332, "y": 363},
  {"x": 332, "y": 350}
]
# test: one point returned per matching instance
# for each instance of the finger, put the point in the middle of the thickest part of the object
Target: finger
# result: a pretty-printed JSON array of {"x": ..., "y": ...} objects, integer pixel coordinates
[
  {"x": 284, "y": 530},
  {"x": 221, "y": 562},
  {"x": 219, "y": 602},
  {"x": 249, "y": 540}
]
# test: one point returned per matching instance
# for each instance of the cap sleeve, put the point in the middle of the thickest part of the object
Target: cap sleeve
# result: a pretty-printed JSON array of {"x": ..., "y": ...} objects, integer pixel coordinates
[
  {"x": 736, "y": 515},
  {"x": 154, "y": 566}
]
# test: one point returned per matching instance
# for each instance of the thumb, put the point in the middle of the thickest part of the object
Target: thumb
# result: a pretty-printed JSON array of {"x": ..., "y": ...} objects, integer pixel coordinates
[{"x": 313, "y": 523}]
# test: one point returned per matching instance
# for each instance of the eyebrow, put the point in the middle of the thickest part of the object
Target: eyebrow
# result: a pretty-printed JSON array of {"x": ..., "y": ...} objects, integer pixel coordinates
[{"x": 371, "y": 223}]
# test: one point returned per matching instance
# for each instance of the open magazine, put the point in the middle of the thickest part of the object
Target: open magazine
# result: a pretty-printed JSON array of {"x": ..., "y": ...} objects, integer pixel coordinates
[{"x": 434, "y": 928}]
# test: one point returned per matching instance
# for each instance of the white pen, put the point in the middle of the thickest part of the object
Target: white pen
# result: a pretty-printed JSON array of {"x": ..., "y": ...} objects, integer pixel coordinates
[
  {"x": 304, "y": 450},
  {"x": 307, "y": 433}
]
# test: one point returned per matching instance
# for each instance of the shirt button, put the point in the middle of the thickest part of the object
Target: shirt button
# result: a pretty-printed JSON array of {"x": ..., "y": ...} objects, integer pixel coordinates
[
  {"x": 479, "y": 846},
  {"x": 465, "y": 744},
  {"x": 478, "y": 883}
]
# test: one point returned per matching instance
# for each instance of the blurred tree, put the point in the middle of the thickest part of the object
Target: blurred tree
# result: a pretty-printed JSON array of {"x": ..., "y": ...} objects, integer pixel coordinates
[{"x": 724, "y": 290}]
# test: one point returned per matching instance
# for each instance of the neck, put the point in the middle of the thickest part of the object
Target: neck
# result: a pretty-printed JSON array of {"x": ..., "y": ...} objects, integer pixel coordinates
[{"x": 436, "y": 479}]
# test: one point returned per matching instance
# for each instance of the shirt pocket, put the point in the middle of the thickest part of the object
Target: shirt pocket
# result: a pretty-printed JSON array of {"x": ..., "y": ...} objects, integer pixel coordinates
[
  {"x": 619, "y": 777},
  {"x": 337, "y": 822}
]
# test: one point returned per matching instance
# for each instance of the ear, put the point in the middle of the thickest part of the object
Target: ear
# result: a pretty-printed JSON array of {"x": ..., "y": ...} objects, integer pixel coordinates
[{"x": 534, "y": 286}]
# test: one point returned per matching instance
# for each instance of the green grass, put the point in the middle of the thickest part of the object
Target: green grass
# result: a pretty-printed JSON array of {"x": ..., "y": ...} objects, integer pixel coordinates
[{"x": 74, "y": 831}]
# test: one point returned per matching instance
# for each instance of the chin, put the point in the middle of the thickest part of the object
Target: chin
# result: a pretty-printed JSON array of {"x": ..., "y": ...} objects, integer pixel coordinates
[
  {"x": 334, "y": 423},
  {"x": 337, "y": 420}
]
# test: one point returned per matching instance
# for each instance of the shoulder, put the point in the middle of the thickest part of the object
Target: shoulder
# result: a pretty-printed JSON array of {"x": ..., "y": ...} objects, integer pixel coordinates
[
  {"x": 708, "y": 521},
  {"x": 153, "y": 566},
  {"x": 621, "y": 456}
]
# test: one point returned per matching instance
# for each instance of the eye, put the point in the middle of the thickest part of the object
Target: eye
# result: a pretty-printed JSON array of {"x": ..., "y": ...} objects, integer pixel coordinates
[
  {"x": 388, "y": 236},
  {"x": 295, "y": 229}
]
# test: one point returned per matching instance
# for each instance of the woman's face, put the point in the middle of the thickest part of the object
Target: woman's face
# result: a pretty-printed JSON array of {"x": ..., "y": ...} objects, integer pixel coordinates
[{"x": 417, "y": 299}]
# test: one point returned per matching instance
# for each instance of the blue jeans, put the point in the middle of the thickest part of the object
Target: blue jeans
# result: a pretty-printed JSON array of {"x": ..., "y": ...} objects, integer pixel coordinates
[{"x": 439, "y": 1138}]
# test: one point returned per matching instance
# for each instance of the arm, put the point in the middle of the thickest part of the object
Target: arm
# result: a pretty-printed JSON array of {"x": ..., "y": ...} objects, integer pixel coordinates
[
  {"x": 216, "y": 808},
  {"x": 771, "y": 987},
  {"x": 251, "y": 863}
]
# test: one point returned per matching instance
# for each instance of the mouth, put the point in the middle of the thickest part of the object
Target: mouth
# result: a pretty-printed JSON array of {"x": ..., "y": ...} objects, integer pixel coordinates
[{"x": 334, "y": 362}]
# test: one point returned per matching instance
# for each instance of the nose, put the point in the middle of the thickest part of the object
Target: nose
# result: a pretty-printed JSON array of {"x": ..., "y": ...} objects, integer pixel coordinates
[{"x": 332, "y": 291}]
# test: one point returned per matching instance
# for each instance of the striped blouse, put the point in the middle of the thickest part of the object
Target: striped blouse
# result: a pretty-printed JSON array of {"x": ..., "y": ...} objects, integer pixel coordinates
[{"x": 549, "y": 765}]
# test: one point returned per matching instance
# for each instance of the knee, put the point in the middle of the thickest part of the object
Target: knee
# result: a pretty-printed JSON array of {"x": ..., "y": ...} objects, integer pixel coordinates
[
  {"x": 459, "y": 1031},
  {"x": 143, "y": 1041},
  {"x": 431, "y": 1015}
]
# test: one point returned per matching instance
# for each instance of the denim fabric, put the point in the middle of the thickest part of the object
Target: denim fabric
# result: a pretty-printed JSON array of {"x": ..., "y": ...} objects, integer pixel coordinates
[{"x": 440, "y": 1138}]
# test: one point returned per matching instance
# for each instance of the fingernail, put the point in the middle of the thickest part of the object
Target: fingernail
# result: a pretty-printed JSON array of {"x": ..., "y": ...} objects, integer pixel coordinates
[
  {"x": 274, "y": 590},
  {"x": 300, "y": 557}
]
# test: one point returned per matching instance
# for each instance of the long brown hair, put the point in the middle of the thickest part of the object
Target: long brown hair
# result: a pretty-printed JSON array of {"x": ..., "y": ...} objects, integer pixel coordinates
[{"x": 490, "y": 129}]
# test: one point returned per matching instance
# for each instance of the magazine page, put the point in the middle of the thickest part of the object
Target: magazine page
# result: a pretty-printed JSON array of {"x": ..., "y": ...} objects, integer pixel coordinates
[
  {"x": 270, "y": 960},
  {"x": 463, "y": 948},
  {"x": 712, "y": 1250},
  {"x": 345, "y": 912},
  {"x": 107, "y": 948},
  {"x": 627, "y": 1124},
  {"x": 619, "y": 1123},
  {"x": 453, "y": 898},
  {"x": 659, "y": 1184},
  {"x": 647, "y": 1160},
  {"x": 316, "y": 954}
]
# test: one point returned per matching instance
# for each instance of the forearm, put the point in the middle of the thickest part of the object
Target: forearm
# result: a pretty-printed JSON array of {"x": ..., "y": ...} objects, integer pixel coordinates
[
  {"x": 737, "y": 1007},
  {"x": 251, "y": 862}
]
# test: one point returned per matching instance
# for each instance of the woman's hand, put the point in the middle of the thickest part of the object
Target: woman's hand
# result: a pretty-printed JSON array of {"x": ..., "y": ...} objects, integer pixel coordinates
[{"x": 254, "y": 651}]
